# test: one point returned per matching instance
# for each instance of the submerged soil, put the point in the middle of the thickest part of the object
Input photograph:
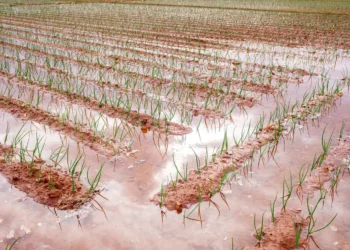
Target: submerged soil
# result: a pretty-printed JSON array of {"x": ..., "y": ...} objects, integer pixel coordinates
[{"x": 44, "y": 184}]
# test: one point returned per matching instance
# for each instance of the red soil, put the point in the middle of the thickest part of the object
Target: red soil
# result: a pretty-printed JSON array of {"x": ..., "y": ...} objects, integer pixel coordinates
[
  {"x": 280, "y": 234},
  {"x": 53, "y": 189},
  {"x": 210, "y": 180},
  {"x": 26, "y": 112},
  {"x": 336, "y": 158},
  {"x": 133, "y": 117}
]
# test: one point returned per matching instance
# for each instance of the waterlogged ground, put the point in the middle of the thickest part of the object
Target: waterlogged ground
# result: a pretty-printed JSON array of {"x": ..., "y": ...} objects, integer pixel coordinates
[
  {"x": 134, "y": 223},
  {"x": 123, "y": 217}
]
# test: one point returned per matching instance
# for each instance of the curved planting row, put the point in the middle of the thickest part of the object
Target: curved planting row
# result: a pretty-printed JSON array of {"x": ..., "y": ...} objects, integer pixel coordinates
[
  {"x": 24, "y": 111},
  {"x": 195, "y": 186},
  {"x": 135, "y": 118}
]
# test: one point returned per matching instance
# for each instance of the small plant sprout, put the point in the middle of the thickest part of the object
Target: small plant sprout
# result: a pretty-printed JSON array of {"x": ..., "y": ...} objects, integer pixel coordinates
[
  {"x": 163, "y": 193},
  {"x": 206, "y": 156},
  {"x": 326, "y": 144},
  {"x": 198, "y": 163},
  {"x": 341, "y": 133},
  {"x": 198, "y": 206},
  {"x": 259, "y": 232},
  {"x": 298, "y": 229},
  {"x": 312, "y": 209},
  {"x": 287, "y": 195},
  {"x": 272, "y": 208},
  {"x": 19, "y": 136},
  {"x": 184, "y": 175},
  {"x": 7, "y": 132},
  {"x": 302, "y": 176},
  {"x": 224, "y": 145},
  {"x": 174, "y": 182},
  {"x": 94, "y": 183},
  {"x": 10, "y": 247},
  {"x": 314, "y": 163},
  {"x": 334, "y": 182},
  {"x": 312, "y": 221}
]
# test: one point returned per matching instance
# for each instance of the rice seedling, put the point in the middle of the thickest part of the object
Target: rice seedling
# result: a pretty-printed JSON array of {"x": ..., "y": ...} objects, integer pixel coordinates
[
  {"x": 326, "y": 144},
  {"x": 298, "y": 229},
  {"x": 162, "y": 196},
  {"x": 174, "y": 182},
  {"x": 37, "y": 148},
  {"x": 198, "y": 207},
  {"x": 94, "y": 183},
  {"x": 312, "y": 209},
  {"x": 56, "y": 157},
  {"x": 259, "y": 232},
  {"x": 19, "y": 136},
  {"x": 10, "y": 246},
  {"x": 224, "y": 144},
  {"x": 78, "y": 80},
  {"x": 7, "y": 132},
  {"x": 198, "y": 163},
  {"x": 334, "y": 182},
  {"x": 287, "y": 191},
  {"x": 314, "y": 163},
  {"x": 299, "y": 186},
  {"x": 185, "y": 171},
  {"x": 311, "y": 230},
  {"x": 341, "y": 133},
  {"x": 272, "y": 209}
]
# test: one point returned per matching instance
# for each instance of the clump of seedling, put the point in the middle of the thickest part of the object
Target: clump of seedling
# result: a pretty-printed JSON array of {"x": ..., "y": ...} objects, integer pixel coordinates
[
  {"x": 326, "y": 144},
  {"x": 341, "y": 133},
  {"x": 259, "y": 232},
  {"x": 303, "y": 171},
  {"x": 312, "y": 221},
  {"x": 95, "y": 181},
  {"x": 287, "y": 191},
  {"x": 198, "y": 207},
  {"x": 272, "y": 209},
  {"x": 185, "y": 171}
]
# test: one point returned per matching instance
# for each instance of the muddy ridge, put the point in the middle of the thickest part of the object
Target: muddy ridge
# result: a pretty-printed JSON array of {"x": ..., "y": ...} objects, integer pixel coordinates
[
  {"x": 330, "y": 171},
  {"x": 281, "y": 234},
  {"x": 182, "y": 194},
  {"x": 200, "y": 91},
  {"x": 146, "y": 122},
  {"x": 43, "y": 183},
  {"x": 23, "y": 111},
  {"x": 136, "y": 62},
  {"x": 144, "y": 53},
  {"x": 128, "y": 59}
]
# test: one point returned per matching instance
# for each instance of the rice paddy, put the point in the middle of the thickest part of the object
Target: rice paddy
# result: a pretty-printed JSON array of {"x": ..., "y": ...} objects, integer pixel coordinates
[{"x": 165, "y": 125}]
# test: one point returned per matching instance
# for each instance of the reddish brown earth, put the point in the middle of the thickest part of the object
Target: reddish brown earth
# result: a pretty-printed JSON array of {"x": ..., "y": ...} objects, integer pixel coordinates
[
  {"x": 336, "y": 158},
  {"x": 212, "y": 177},
  {"x": 29, "y": 23},
  {"x": 209, "y": 180},
  {"x": 274, "y": 70},
  {"x": 26, "y": 112},
  {"x": 280, "y": 234},
  {"x": 53, "y": 189},
  {"x": 146, "y": 122}
]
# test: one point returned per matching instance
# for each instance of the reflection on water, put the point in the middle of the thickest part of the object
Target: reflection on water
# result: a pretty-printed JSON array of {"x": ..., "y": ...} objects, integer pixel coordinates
[{"x": 125, "y": 219}]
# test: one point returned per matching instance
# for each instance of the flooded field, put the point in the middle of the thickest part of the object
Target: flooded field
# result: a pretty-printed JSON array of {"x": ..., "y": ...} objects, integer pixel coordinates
[{"x": 154, "y": 125}]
